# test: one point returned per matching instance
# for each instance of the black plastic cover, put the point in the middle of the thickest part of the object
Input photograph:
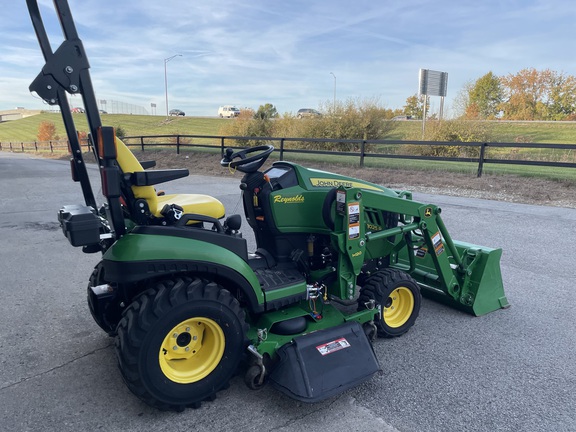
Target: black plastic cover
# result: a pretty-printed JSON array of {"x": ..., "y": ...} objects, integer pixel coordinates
[
  {"x": 150, "y": 178},
  {"x": 325, "y": 363},
  {"x": 80, "y": 225}
]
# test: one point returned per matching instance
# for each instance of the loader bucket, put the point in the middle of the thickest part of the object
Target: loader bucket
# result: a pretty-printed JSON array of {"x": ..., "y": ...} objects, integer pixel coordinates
[{"x": 480, "y": 289}]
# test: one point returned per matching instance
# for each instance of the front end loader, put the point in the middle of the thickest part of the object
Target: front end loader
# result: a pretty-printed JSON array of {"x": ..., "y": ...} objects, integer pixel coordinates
[{"x": 338, "y": 262}]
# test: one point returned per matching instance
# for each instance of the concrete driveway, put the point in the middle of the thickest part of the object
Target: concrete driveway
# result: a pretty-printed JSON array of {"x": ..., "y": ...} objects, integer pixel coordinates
[{"x": 512, "y": 370}]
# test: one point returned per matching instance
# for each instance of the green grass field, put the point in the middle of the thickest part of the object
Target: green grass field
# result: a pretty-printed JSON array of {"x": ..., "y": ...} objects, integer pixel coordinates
[{"x": 27, "y": 129}]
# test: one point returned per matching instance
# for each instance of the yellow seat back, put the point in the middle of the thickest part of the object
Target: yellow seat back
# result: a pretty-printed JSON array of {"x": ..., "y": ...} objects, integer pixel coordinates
[{"x": 129, "y": 164}]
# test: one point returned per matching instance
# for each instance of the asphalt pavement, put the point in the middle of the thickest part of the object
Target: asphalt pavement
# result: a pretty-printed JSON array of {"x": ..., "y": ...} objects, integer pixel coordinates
[{"x": 511, "y": 370}]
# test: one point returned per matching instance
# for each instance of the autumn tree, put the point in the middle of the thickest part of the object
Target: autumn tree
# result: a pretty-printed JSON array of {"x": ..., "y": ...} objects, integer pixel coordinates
[
  {"x": 539, "y": 95},
  {"x": 415, "y": 105},
  {"x": 47, "y": 131},
  {"x": 525, "y": 91},
  {"x": 485, "y": 98}
]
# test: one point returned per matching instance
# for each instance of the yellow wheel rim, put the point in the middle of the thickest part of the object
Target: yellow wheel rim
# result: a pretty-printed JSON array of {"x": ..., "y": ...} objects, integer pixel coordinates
[
  {"x": 399, "y": 307},
  {"x": 192, "y": 350}
]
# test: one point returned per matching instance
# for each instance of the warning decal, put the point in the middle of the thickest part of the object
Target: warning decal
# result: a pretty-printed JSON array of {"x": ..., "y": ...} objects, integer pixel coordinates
[
  {"x": 354, "y": 231},
  {"x": 353, "y": 220},
  {"x": 421, "y": 252},
  {"x": 353, "y": 213},
  {"x": 330, "y": 347},
  {"x": 437, "y": 242}
]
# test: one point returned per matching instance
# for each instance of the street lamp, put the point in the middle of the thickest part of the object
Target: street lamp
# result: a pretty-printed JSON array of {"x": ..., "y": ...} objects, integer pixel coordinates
[
  {"x": 166, "y": 60},
  {"x": 334, "y": 102}
]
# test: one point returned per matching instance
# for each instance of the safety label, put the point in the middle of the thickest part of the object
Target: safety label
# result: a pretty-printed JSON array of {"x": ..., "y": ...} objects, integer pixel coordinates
[
  {"x": 354, "y": 231},
  {"x": 335, "y": 345},
  {"x": 437, "y": 242},
  {"x": 353, "y": 220},
  {"x": 421, "y": 252},
  {"x": 353, "y": 213}
]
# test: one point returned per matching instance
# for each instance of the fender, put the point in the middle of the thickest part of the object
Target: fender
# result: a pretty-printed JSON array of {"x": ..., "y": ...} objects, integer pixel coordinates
[{"x": 144, "y": 253}]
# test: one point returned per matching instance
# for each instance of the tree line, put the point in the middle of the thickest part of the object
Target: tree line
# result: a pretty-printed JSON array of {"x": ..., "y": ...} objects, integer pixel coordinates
[{"x": 529, "y": 94}]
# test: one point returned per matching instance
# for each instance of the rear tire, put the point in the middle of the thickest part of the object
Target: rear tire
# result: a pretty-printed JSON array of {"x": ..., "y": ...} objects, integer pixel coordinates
[
  {"x": 398, "y": 295},
  {"x": 180, "y": 342}
]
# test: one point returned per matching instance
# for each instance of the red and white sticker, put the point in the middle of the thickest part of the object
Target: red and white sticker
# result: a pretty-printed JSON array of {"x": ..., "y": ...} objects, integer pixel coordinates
[{"x": 330, "y": 347}]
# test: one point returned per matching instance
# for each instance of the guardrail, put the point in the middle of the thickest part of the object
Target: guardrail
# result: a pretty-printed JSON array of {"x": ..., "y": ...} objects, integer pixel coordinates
[{"x": 362, "y": 148}]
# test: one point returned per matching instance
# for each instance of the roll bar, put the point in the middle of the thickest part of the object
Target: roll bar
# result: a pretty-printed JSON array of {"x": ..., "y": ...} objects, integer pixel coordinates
[{"x": 67, "y": 70}]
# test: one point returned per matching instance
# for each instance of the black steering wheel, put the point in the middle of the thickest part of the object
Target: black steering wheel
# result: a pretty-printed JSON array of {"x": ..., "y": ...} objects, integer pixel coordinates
[{"x": 242, "y": 162}]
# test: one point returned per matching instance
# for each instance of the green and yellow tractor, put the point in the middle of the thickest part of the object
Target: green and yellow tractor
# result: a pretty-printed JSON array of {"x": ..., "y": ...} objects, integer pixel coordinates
[{"x": 338, "y": 262}]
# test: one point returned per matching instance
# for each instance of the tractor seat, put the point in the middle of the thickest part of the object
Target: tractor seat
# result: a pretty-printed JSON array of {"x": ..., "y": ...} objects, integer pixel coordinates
[{"x": 191, "y": 203}]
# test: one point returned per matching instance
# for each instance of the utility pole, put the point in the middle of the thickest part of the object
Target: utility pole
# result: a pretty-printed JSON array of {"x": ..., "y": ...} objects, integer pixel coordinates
[
  {"x": 166, "y": 60},
  {"x": 334, "y": 99}
]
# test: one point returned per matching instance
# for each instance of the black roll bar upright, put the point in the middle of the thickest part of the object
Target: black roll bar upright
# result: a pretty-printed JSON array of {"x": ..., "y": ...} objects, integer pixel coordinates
[{"x": 67, "y": 70}]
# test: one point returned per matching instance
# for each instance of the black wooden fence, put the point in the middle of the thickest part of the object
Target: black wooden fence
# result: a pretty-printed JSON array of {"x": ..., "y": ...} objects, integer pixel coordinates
[{"x": 363, "y": 149}]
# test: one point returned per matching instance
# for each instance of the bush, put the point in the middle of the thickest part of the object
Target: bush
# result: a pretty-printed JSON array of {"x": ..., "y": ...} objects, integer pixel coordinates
[
  {"x": 246, "y": 125},
  {"x": 120, "y": 132},
  {"x": 353, "y": 119},
  {"x": 451, "y": 131},
  {"x": 47, "y": 132}
]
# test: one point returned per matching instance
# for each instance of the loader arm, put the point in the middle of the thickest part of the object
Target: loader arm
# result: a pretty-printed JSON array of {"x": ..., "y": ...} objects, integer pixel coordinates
[{"x": 463, "y": 275}]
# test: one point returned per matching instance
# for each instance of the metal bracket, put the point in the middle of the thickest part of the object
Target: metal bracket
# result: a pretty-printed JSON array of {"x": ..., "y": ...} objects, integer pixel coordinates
[
  {"x": 259, "y": 362},
  {"x": 61, "y": 71}
]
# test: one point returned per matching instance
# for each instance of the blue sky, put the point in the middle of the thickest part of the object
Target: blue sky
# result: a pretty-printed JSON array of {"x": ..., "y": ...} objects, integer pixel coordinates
[{"x": 248, "y": 53}]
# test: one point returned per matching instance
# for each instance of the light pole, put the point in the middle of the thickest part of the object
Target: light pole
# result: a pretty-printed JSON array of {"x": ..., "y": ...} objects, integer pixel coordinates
[
  {"x": 166, "y": 60},
  {"x": 334, "y": 101}
]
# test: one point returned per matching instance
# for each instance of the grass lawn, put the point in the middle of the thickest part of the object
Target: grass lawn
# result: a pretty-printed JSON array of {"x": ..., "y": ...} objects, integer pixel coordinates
[{"x": 27, "y": 129}]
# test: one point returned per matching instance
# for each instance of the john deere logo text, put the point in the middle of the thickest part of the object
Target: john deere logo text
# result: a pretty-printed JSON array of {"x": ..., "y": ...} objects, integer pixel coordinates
[
  {"x": 288, "y": 200},
  {"x": 332, "y": 183}
]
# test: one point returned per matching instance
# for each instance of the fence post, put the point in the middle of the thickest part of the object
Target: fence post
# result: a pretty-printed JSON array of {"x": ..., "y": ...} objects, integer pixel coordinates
[
  {"x": 281, "y": 149},
  {"x": 362, "y": 152},
  {"x": 222, "y": 146},
  {"x": 142, "y": 143},
  {"x": 35, "y": 146},
  {"x": 481, "y": 159},
  {"x": 22, "y": 146},
  {"x": 10, "y": 145},
  {"x": 51, "y": 148},
  {"x": 177, "y": 144}
]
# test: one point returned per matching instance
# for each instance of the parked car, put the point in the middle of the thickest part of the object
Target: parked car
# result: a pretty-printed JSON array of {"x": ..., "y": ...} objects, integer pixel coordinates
[
  {"x": 228, "y": 111},
  {"x": 307, "y": 112},
  {"x": 177, "y": 112},
  {"x": 77, "y": 110},
  {"x": 103, "y": 112}
]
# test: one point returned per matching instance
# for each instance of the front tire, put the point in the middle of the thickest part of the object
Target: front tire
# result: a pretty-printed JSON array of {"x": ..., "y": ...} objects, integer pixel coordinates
[
  {"x": 180, "y": 342},
  {"x": 399, "y": 297}
]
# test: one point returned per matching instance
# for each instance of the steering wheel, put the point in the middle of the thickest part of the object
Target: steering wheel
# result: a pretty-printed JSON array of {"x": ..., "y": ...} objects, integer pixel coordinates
[{"x": 242, "y": 162}]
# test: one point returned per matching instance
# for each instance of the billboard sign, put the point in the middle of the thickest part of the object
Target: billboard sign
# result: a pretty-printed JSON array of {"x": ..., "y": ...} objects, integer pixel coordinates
[{"x": 433, "y": 83}]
